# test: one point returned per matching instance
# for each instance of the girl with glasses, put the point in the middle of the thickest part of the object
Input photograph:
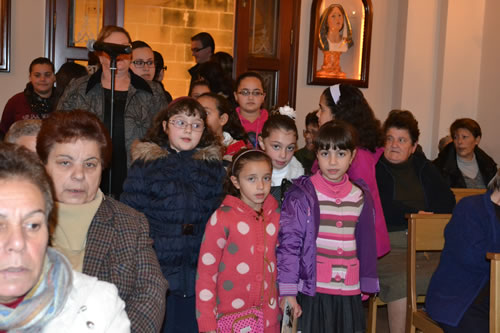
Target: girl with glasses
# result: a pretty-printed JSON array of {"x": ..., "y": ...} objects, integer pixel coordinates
[
  {"x": 250, "y": 97},
  {"x": 176, "y": 181}
]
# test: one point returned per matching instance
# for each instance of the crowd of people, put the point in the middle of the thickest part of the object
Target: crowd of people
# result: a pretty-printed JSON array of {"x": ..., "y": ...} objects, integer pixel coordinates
[{"x": 201, "y": 214}]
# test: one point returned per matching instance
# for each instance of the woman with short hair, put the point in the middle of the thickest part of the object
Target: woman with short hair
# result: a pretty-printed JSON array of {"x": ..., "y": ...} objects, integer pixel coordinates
[
  {"x": 100, "y": 236},
  {"x": 408, "y": 183},
  {"x": 463, "y": 164},
  {"x": 39, "y": 292}
]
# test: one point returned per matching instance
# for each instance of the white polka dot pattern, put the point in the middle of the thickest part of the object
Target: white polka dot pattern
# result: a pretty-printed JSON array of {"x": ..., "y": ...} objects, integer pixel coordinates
[
  {"x": 208, "y": 259},
  {"x": 243, "y": 228},
  {"x": 242, "y": 268},
  {"x": 271, "y": 229},
  {"x": 238, "y": 303},
  {"x": 206, "y": 295},
  {"x": 213, "y": 219},
  {"x": 221, "y": 242}
]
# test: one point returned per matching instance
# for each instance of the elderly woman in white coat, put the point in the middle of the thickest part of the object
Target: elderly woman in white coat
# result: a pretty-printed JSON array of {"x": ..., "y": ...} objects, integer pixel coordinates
[{"x": 39, "y": 292}]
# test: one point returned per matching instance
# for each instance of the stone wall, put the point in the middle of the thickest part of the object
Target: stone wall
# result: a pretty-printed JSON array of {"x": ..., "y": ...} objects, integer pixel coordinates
[{"x": 167, "y": 25}]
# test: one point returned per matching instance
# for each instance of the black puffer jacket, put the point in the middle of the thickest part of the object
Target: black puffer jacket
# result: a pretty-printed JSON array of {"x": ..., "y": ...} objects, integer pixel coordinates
[
  {"x": 446, "y": 162},
  {"x": 178, "y": 192}
]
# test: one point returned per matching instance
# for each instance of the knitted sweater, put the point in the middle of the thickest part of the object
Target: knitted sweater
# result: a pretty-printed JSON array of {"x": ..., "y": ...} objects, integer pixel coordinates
[
  {"x": 232, "y": 270},
  {"x": 253, "y": 128},
  {"x": 337, "y": 263}
]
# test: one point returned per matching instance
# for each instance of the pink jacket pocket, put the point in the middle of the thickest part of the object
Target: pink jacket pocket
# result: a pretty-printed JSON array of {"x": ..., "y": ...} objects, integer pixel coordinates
[
  {"x": 352, "y": 274},
  {"x": 323, "y": 271}
]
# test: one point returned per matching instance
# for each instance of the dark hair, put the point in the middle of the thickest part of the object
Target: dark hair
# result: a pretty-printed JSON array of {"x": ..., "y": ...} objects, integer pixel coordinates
[
  {"x": 198, "y": 82},
  {"x": 233, "y": 125},
  {"x": 353, "y": 108},
  {"x": 42, "y": 61},
  {"x": 64, "y": 126},
  {"x": 107, "y": 30},
  {"x": 247, "y": 75},
  {"x": 312, "y": 119},
  {"x": 139, "y": 44},
  {"x": 239, "y": 160},
  {"x": 225, "y": 60},
  {"x": 17, "y": 162},
  {"x": 468, "y": 124},
  {"x": 403, "y": 119},
  {"x": 279, "y": 121},
  {"x": 205, "y": 39},
  {"x": 336, "y": 134},
  {"x": 159, "y": 64},
  {"x": 25, "y": 127},
  {"x": 217, "y": 81},
  {"x": 182, "y": 105},
  {"x": 68, "y": 71}
]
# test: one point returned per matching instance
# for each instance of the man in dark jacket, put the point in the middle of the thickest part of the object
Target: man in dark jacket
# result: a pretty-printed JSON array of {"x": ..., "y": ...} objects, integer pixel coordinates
[{"x": 202, "y": 48}]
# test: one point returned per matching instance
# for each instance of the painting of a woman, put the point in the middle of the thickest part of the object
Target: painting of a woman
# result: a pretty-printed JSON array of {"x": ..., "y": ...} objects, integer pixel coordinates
[{"x": 335, "y": 38}]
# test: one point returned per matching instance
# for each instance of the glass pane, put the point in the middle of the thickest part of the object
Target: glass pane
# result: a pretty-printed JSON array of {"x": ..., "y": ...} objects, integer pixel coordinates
[
  {"x": 264, "y": 20},
  {"x": 270, "y": 85},
  {"x": 85, "y": 21}
]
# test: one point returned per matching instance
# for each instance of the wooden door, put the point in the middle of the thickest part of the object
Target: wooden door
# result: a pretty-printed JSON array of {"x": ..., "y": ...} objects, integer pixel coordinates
[
  {"x": 266, "y": 41},
  {"x": 68, "y": 29}
]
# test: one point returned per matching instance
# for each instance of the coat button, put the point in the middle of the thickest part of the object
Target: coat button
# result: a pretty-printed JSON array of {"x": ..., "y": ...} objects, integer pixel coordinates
[
  {"x": 90, "y": 325},
  {"x": 260, "y": 248},
  {"x": 340, "y": 251},
  {"x": 258, "y": 277},
  {"x": 83, "y": 308},
  {"x": 338, "y": 278},
  {"x": 339, "y": 224},
  {"x": 338, "y": 201}
]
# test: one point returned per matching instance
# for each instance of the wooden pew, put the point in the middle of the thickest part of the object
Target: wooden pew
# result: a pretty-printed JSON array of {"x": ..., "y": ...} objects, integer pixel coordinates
[
  {"x": 494, "y": 292},
  {"x": 461, "y": 193},
  {"x": 425, "y": 233}
]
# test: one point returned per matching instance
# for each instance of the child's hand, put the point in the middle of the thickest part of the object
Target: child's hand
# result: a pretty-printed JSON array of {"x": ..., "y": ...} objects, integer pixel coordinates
[{"x": 297, "y": 310}]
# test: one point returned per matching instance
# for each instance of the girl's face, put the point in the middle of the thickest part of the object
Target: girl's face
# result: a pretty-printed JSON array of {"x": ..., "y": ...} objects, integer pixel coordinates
[
  {"x": 465, "y": 142},
  {"x": 325, "y": 113},
  {"x": 184, "y": 132},
  {"x": 335, "y": 20},
  {"x": 199, "y": 90},
  {"x": 334, "y": 163},
  {"x": 279, "y": 146},
  {"x": 215, "y": 121},
  {"x": 254, "y": 183},
  {"x": 250, "y": 94}
]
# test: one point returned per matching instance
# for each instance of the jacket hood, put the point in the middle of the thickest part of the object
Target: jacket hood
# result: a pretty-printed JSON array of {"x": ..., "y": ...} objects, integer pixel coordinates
[{"x": 150, "y": 151}]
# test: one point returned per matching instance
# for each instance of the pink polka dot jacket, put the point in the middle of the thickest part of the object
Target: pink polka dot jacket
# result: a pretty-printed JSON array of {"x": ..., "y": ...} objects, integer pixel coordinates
[{"x": 237, "y": 263}]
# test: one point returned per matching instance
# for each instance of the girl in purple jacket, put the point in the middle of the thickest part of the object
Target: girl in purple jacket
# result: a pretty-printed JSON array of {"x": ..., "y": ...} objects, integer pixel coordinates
[{"x": 327, "y": 253}]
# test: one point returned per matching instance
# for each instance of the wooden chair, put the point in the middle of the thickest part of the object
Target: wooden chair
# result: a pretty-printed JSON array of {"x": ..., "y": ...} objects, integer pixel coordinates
[
  {"x": 461, "y": 193},
  {"x": 425, "y": 233},
  {"x": 494, "y": 292}
]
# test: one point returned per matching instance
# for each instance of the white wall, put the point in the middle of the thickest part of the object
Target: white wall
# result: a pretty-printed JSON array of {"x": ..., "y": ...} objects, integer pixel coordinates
[
  {"x": 488, "y": 114},
  {"x": 27, "y": 43}
]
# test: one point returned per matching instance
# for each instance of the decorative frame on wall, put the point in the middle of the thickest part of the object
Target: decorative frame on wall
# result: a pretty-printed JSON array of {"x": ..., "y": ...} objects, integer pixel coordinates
[
  {"x": 5, "y": 35},
  {"x": 339, "y": 42}
]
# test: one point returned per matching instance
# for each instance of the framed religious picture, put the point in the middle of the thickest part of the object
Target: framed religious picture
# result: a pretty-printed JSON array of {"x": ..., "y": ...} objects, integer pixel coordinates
[
  {"x": 339, "y": 43},
  {"x": 4, "y": 35}
]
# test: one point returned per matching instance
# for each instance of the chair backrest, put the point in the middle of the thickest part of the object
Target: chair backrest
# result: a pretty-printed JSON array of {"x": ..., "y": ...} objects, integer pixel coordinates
[
  {"x": 494, "y": 292},
  {"x": 425, "y": 233},
  {"x": 461, "y": 193}
]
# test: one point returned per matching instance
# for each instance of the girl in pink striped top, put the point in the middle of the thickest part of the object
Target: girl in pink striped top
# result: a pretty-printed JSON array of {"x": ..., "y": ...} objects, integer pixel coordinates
[{"x": 327, "y": 250}]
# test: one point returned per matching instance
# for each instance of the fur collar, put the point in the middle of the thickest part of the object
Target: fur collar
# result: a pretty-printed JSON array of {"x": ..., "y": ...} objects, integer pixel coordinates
[{"x": 150, "y": 151}]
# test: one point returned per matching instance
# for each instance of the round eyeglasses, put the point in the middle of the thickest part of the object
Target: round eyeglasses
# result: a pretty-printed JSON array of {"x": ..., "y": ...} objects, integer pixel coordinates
[{"x": 182, "y": 124}]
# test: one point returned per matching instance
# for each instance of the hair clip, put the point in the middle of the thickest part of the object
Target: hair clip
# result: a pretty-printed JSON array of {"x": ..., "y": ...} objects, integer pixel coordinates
[{"x": 287, "y": 111}]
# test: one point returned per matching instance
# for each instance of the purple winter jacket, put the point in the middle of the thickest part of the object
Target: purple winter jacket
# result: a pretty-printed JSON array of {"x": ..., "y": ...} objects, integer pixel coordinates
[{"x": 299, "y": 227}]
